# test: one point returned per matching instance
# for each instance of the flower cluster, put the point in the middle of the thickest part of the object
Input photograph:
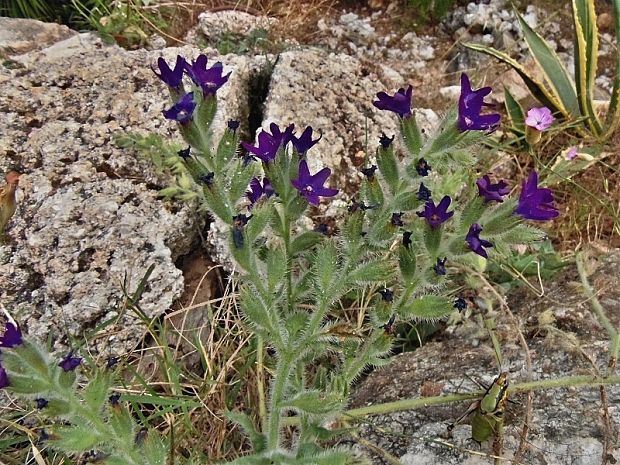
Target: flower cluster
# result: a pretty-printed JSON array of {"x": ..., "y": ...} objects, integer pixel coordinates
[{"x": 207, "y": 80}]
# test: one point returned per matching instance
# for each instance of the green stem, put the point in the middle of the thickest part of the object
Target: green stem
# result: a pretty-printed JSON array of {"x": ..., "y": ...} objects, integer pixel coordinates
[
  {"x": 599, "y": 310},
  {"x": 414, "y": 404},
  {"x": 262, "y": 407},
  {"x": 286, "y": 231},
  {"x": 280, "y": 380}
]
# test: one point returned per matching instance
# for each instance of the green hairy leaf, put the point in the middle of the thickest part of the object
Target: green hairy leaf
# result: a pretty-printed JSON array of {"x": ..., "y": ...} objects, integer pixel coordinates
[
  {"x": 429, "y": 307},
  {"x": 76, "y": 438}
]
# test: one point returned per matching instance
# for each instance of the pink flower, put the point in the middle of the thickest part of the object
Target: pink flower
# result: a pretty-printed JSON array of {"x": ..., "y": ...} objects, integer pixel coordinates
[
  {"x": 571, "y": 153},
  {"x": 539, "y": 118}
]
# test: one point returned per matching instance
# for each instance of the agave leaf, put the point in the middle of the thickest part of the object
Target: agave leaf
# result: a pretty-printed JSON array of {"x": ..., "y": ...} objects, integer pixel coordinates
[
  {"x": 537, "y": 88},
  {"x": 613, "y": 114},
  {"x": 550, "y": 64},
  {"x": 586, "y": 48},
  {"x": 515, "y": 112}
]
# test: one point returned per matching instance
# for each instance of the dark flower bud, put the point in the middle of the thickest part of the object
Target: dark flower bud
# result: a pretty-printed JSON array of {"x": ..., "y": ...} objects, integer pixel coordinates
[
  {"x": 387, "y": 295},
  {"x": 240, "y": 220},
  {"x": 397, "y": 219},
  {"x": 207, "y": 179},
  {"x": 114, "y": 399},
  {"x": 389, "y": 327},
  {"x": 407, "y": 238},
  {"x": 422, "y": 167},
  {"x": 184, "y": 153},
  {"x": 460, "y": 304},
  {"x": 233, "y": 125},
  {"x": 440, "y": 266},
  {"x": 424, "y": 193},
  {"x": 111, "y": 362},
  {"x": 359, "y": 206},
  {"x": 41, "y": 403},
  {"x": 369, "y": 172},
  {"x": 70, "y": 363},
  {"x": 386, "y": 141},
  {"x": 322, "y": 228}
]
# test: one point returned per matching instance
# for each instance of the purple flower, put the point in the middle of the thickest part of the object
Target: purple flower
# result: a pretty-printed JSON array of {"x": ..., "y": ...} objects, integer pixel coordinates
[
  {"x": 386, "y": 141},
  {"x": 436, "y": 215},
  {"x": 183, "y": 110},
  {"x": 424, "y": 193},
  {"x": 269, "y": 144},
  {"x": 4, "y": 378},
  {"x": 233, "y": 124},
  {"x": 257, "y": 190},
  {"x": 535, "y": 203},
  {"x": 209, "y": 79},
  {"x": 399, "y": 103},
  {"x": 311, "y": 187},
  {"x": 470, "y": 106},
  {"x": 304, "y": 142},
  {"x": 70, "y": 363},
  {"x": 172, "y": 77},
  {"x": 539, "y": 118},
  {"x": 475, "y": 243},
  {"x": 490, "y": 191},
  {"x": 571, "y": 153},
  {"x": 12, "y": 336}
]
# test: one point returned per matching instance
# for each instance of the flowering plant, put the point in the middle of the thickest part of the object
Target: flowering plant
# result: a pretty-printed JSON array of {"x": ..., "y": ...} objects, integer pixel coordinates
[{"x": 410, "y": 221}]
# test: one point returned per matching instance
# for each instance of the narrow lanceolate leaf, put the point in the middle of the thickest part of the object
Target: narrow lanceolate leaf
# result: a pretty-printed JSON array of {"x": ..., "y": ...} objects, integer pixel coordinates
[
  {"x": 386, "y": 161},
  {"x": 515, "y": 112},
  {"x": 586, "y": 56},
  {"x": 314, "y": 402},
  {"x": 325, "y": 266},
  {"x": 612, "y": 119},
  {"x": 411, "y": 135},
  {"x": 537, "y": 88},
  {"x": 428, "y": 307},
  {"x": 375, "y": 271},
  {"x": 76, "y": 439},
  {"x": 257, "y": 439},
  {"x": 305, "y": 241},
  {"x": 550, "y": 64}
]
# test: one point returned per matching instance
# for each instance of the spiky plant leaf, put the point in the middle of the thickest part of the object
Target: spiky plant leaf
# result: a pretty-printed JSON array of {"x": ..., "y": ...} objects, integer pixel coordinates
[
  {"x": 411, "y": 135},
  {"x": 586, "y": 57},
  {"x": 256, "y": 438},
  {"x": 374, "y": 271},
  {"x": 386, "y": 161},
  {"x": 76, "y": 438},
  {"x": 428, "y": 307}
]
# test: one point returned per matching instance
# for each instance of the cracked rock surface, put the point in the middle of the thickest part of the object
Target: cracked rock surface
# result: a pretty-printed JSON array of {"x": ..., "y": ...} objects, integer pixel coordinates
[{"x": 88, "y": 211}]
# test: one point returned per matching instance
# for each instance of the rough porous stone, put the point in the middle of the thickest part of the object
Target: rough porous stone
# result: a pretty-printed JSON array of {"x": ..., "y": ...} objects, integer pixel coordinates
[
  {"x": 88, "y": 210},
  {"x": 27, "y": 35},
  {"x": 213, "y": 25},
  {"x": 333, "y": 93},
  {"x": 564, "y": 338}
]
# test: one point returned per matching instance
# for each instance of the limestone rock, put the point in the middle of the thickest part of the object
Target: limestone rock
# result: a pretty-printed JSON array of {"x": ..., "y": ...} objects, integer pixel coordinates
[
  {"x": 25, "y": 35},
  {"x": 333, "y": 93},
  {"x": 88, "y": 210}
]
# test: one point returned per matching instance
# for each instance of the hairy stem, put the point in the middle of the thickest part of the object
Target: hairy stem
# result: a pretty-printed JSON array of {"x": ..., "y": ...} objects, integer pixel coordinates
[{"x": 278, "y": 387}]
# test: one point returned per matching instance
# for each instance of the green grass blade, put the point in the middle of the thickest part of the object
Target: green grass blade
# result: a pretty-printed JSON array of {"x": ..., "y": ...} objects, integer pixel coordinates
[
  {"x": 586, "y": 58},
  {"x": 514, "y": 110},
  {"x": 555, "y": 74},
  {"x": 537, "y": 88},
  {"x": 613, "y": 115}
]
